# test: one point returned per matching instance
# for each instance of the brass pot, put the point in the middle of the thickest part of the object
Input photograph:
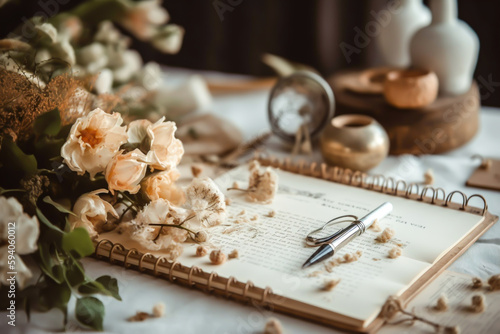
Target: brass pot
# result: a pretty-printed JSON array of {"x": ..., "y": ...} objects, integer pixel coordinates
[{"x": 353, "y": 141}]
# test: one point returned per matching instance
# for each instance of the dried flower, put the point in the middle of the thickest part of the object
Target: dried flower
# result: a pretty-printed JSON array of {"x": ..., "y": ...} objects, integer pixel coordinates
[
  {"x": 234, "y": 254},
  {"x": 201, "y": 236},
  {"x": 92, "y": 212},
  {"x": 429, "y": 176},
  {"x": 375, "y": 227},
  {"x": 139, "y": 316},
  {"x": 227, "y": 201},
  {"x": 352, "y": 257},
  {"x": 93, "y": 141},
  {"x": 262, "y": 187},
  {"x": 386, "y": 235},
  {"x": 162, "y": 185},
  {"x": 391, "y": 307},
  {"x": 452, "y": 330},
  {"x": 206, "y": 201},
  {"x": 273, "y": 326},
  {"x": 125, "y": 171},
  {"x": 478, "y": 303},
  {"x": 476, "y": 283},
  {"x": 173, "y": 251},
  {"x": 159, "y": 310},
  {"x": 494, "y": 282},
  {"x": 235, "y": 185},
  {"x": 271, "y": 214},
  {"x": 26, "y": 232},
  {"x": 217, "y": 257},
  {"x": 331, "y": 284},
  {"x": 442, "y": 303},
  {"x": 196, "y": 171},
  {"x": 201, "y": 251},
  {"x": 395, "y": 252}
]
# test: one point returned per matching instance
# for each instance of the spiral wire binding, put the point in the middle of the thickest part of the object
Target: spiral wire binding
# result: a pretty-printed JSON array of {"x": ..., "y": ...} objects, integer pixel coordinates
[
  {"x": 116, "y": 251},
  {"x": 377, "y": 182}
]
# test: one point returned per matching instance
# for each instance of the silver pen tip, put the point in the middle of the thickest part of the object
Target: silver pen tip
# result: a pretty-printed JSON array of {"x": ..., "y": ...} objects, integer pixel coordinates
[{"x": 323, "y": 252}]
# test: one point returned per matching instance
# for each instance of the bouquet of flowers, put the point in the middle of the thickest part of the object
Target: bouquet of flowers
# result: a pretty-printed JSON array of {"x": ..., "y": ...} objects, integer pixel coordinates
[{"x": 71, "y": 167}]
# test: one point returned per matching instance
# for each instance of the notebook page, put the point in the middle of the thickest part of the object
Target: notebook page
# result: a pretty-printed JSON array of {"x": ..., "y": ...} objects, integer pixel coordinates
[{"x": 272, "y": 250}]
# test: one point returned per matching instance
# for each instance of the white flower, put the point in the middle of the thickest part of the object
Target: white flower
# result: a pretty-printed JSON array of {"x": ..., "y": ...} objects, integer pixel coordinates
[
  {"x": 104, "y": 82},
  {"x": 126, "y": 171},
  {"x": 169, "y": 38},
  {"x": 206, "y": 201},
  {"x": 131, "y": 64},
  {"x": 93, "y": 141},
  {"x": 23, "y": 241},
  {"x": 262, "y": 187},
  {"x": 92, "y": 212},
  {"x": 150, "y": 76},
  {"x": 137, "y": 131},
  {"x": 142, "y": 230},
  {"x": 162, "y": 185},
  {"x": 165, "y": 151},
  {"x": 143, "y": 18}
]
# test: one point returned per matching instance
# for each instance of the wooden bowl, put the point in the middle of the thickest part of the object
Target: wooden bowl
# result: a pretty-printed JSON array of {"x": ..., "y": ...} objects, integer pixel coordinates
[{"x": 410, "y": 89}]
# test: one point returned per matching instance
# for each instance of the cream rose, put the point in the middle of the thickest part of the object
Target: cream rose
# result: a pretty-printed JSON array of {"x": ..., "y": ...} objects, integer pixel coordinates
[
  {"x": 24, "y": 236},
  {"x": 92, "y": 212},
  {"x": 162, "y": 185},
  {"x": 93, "y": 141},
  {"x": 164, "y": 150},
  {"x": 126, "y": 171}
]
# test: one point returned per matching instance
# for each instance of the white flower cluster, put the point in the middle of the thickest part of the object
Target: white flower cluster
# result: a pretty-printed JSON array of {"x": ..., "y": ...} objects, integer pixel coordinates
[
  {"x": 18, "y": 236},
  {"x": 96, "y": 145}
]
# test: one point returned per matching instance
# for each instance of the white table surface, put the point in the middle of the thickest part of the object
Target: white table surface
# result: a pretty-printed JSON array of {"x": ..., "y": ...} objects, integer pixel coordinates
[{"x": 192, "y": 311}]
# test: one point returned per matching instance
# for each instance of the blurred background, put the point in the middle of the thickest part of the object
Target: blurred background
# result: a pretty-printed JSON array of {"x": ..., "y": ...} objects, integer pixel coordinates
[{"x": 231, "y": 35}]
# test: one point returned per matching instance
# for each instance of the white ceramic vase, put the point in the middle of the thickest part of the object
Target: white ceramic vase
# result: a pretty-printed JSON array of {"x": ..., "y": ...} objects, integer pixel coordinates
[
  {"x": 448, "y": 46},
  {"x": 399, "y": 22}
]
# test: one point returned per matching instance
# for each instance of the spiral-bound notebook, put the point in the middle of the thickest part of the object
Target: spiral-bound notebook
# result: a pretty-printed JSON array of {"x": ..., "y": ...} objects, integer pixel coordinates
[{"x": 431, "y": 228}]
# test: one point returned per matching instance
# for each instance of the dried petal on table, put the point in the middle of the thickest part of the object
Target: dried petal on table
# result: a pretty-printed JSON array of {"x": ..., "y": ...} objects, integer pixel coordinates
[
  {"x": 494, "y": 282},
  {"x": 271, "y": 214},
  {"x": 273, "y": 326},
  {"x": 159, "y": 310},
  {"x": 429, "y": 176},
  {"x": 196, "y": 171},
  {"x": 375, "y": 227},
  {"x": 331, "y": 284},
  {"x": 477, "y": 283},
  {"x": 478, "y": 303},
  {"x": 234, "y": 254},
  {"x": 217, "y": 257},
  {"x": 201, "y": 251},
  {"x": 442, "y": 303},
  {"x": 386, "y": 235},
  {"x": 395, "y": 252},
  {"x": 228, "y": 201}
]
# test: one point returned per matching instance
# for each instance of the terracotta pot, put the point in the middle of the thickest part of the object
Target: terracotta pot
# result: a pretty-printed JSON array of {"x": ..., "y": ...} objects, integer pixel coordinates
[
  {"x": 354, "y": 141},
  {"x": 411, "y": 88}
]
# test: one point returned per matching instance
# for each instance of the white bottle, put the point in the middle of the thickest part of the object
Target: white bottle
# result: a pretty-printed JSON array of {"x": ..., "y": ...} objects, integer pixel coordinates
[
  {"x": 447, "y": 46},
  {"x": 402, "y": 20}
]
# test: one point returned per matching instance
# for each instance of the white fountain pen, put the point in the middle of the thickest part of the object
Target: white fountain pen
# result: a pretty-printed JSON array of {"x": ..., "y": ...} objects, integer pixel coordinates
[{"x": 345, "y": 235}]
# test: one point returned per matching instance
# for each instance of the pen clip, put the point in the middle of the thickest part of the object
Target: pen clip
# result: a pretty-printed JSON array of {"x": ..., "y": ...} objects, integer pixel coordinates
[{"x": 312, "y": 241}]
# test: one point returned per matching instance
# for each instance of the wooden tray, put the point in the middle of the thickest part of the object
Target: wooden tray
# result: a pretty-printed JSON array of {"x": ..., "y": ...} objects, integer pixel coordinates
[{"x": 449, "y": 122}]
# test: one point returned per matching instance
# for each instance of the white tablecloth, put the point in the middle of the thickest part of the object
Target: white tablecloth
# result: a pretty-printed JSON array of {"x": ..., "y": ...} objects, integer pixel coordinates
[{"x": 191, "y": 311}]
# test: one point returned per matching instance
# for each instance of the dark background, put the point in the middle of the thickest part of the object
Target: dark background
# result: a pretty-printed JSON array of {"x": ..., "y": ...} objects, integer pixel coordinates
[{"x": 306, "y": 31}]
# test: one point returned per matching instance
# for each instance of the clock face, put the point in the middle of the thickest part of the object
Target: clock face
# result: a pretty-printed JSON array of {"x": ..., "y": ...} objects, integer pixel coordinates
[{"x": 301, "y": 100}]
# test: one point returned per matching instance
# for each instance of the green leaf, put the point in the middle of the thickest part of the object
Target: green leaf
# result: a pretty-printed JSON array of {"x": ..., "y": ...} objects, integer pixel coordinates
[
  {"x": 78, "y": 241},
  {"x": 90, "y": 312},
  {"x": 105, "y": 285},
  {"x": 15, "y": 159},
  {"x": 47, "y": 264},
  {"x": 58, "y": 206},
  {"x": 74, "y": 276},
  {"x": 48, "y": 123}
]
